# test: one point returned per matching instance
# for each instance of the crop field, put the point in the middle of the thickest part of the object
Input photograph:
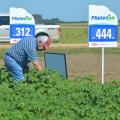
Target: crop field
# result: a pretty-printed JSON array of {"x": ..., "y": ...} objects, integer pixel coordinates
[
  {"x": 83, "y": 60},
  {"x": 76, "y": 33},
  {"x": 48, "y": 96}
]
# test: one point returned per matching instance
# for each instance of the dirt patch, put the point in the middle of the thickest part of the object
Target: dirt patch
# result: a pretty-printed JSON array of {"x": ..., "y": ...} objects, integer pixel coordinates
[
  {"x": 90, "y": 64},
  {"x": 58, "y": 45}
]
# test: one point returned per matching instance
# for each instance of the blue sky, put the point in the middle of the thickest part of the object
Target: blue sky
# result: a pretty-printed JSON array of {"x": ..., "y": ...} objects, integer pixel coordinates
[{"x": 67, "y": 10}]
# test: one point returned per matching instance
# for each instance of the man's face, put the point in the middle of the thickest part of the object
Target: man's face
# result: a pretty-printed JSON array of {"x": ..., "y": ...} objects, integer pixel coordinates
[{"x": 43, "y": 42}]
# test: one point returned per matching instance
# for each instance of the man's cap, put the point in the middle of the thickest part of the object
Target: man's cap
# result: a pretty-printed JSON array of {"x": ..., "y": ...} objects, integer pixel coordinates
[{"x": 46, "y": 41}]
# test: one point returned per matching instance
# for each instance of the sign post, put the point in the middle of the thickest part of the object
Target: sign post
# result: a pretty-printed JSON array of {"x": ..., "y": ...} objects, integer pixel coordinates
[
  {"x": 102, "y": 65},
  {"x": 103, "y": 29},
  {"x": 22, "y": 24}
]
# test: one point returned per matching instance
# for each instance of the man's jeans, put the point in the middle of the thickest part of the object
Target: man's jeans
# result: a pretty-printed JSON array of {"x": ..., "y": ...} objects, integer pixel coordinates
[{"x": 15, "y": 69}]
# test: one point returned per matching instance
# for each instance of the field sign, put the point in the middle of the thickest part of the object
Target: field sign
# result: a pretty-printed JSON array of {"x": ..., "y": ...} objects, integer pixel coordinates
[
  {"x": 103, "y": 27},
  {"x": 22, "y": 24},
  {"x": 57, "y": 62}
]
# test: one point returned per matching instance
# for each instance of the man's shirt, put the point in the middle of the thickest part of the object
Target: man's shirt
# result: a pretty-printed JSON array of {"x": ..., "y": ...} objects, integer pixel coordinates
[{"x": 24, "y": 51}]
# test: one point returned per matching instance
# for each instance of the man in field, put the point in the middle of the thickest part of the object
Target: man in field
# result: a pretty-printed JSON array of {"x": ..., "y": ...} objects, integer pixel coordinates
[{"x": 18, "y": 56}]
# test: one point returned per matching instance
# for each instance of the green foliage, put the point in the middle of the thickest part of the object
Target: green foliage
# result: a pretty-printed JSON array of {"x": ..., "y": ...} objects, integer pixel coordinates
[
  {"x": 47, "y": 96},
  {"x": 2, "y": 52},
  {"x": 76, "y": 33},
  {"x": 73, "y": 35},
  {"x": 52, "y": 21},
  {"x": 37, "y": 18}
]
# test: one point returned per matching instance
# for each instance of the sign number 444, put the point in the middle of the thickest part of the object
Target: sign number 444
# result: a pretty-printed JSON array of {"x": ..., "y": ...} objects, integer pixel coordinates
[{"x": 104, "y": 33}]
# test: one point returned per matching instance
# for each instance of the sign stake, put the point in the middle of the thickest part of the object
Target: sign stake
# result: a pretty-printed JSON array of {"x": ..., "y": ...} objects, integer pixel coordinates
[{"x": 102, "y": 65}]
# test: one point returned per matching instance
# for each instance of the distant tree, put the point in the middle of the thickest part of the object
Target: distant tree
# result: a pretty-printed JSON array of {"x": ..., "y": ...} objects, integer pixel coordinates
[
  {"x": 52, "y": 21},
  {"x": 38, "y": 18}
]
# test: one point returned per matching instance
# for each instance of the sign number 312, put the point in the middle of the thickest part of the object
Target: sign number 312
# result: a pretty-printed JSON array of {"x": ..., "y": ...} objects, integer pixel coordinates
[{"x": 22, "y": 31}]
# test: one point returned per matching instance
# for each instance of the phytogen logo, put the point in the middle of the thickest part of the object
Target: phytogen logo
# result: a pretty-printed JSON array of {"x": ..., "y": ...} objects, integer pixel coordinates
[
  {"x": 104, "y": 18},
  {"x": 22, "y": 18}
]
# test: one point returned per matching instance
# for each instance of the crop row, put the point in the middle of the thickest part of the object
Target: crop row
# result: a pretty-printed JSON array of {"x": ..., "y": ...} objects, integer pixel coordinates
[{"x": 48, "y": 96}]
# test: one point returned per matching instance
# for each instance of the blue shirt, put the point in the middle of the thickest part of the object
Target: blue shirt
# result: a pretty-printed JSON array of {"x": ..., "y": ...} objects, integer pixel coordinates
[{"x": 24, "y": 51}]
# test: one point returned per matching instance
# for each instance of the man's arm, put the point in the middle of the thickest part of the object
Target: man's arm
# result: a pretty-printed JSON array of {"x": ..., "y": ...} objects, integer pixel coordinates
[{"x": 37, "y": 65}]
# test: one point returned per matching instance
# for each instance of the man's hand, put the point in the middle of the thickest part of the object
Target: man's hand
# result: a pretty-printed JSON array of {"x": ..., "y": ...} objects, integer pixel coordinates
[{"x": 37, "y": 65}]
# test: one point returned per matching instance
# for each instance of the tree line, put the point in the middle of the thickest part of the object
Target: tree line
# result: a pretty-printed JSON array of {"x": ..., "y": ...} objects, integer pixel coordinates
[{"x": 52, "y": 21}]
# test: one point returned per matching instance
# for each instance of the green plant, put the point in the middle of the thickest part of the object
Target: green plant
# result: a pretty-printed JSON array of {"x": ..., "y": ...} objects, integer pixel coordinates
[{"x": 47, "y": 96}]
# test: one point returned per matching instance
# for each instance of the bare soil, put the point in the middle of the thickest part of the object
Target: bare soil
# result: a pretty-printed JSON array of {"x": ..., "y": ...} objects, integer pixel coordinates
[{"x": 90, "y": 64}]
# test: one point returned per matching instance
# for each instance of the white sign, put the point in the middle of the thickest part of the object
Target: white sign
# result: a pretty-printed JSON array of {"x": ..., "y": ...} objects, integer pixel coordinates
[
  {"x": 103, "y": 27},
  {"x": 22, "y": 24}
]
